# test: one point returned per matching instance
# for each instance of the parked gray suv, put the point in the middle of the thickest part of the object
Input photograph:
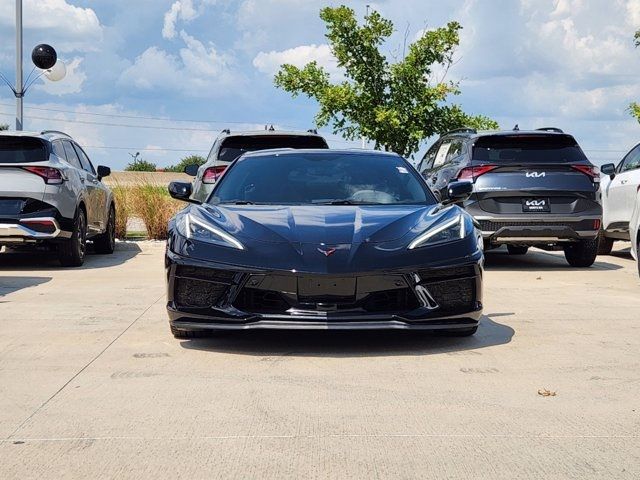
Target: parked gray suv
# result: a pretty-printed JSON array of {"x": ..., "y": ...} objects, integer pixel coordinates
[
  {"x": 51, "y": 195},
  {"x": 530, "y": 188},
  {"x": 230, "y": 145}
]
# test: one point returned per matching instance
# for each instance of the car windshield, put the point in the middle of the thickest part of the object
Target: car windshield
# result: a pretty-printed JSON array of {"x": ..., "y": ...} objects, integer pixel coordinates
[
  {"x": 321, "y": 179},
  {"x": 233, "y": 147},
  {"x": 21, "y": 150},
  {"x": 523, "y": 149}
]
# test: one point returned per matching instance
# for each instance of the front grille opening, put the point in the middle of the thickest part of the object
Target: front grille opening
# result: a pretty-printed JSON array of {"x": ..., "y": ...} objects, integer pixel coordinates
[
  {"x": 390, "y": 301},
  {"x": 198, "y": 294},
  {"x": 439, "y": 274},
  {"x": 454, "y": 296},
  {"x": 209, "y": 274},
  {"x": 253, "y": 300},
  {"x": 489, "y": 226}
]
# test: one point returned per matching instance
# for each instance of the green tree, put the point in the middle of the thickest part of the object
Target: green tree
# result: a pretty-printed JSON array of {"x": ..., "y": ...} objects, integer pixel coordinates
[
  {"x": 634, "y": 107},
  {"x": 185, "y": 162},
  {"x": 397, "y": 105},
  {"x": 4, "y": 126},
  {"x": 140, "y": 165}
]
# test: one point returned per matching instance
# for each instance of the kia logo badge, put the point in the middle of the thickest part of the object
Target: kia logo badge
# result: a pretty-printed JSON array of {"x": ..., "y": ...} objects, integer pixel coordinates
[{"x": 536, "y": 174}]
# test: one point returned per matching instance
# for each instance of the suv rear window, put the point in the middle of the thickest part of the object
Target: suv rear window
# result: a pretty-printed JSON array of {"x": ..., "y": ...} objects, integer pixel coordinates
[
  {"x": 233, "y": 147},
  {"x": 521, "y": 149},
  {"x": 22, "y": 150}
]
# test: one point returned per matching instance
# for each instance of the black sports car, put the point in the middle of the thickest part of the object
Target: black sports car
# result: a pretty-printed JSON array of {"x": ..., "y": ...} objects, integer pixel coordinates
[{"x": 323, "y": 239}]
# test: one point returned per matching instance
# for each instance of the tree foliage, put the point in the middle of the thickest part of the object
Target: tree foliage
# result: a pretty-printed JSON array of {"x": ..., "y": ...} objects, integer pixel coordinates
[
  {"x": 634, "y": 108},
  {"x": 4, "y": 126},
  {"x": 397, "y": 105},
  {"x": 185, "y": 162},
  {"x": 140, "y": 165}
]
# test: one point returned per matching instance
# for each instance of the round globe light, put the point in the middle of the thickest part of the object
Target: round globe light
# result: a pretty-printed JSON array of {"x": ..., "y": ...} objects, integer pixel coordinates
[{"x": 57, "y": 72}]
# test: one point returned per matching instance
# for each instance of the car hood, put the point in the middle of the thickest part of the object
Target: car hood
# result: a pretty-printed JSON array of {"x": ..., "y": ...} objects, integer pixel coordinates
[
  {"x": 324, "y": 239},
  {"x": 330, "y": 224}
]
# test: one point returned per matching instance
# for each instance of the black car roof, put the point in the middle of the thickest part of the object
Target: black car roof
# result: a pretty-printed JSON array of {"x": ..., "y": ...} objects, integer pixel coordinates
[
  {"x": 473, "y": 134},
  {"x": 318, "y": 151}
]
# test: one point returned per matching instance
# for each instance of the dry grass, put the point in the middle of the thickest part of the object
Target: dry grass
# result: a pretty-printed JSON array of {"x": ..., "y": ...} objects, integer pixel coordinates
[
  {"x": 153, "y": 205},
  {"x": 122, "y": 198}
]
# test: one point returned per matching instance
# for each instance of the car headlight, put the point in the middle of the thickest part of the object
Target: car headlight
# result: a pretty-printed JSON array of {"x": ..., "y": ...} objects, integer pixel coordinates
[
  {"x": 454, "y": 229},
  {"x": 195, "y": 229}
]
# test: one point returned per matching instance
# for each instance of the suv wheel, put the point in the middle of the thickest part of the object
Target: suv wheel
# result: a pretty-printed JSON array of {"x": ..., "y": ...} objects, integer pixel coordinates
[
  {"x": 106, "y": 242},
  {"x": 605, "y": 244},
  {"x": 517, "y": 249},
  {"x": 71, "y": 252},
  {"x": 581, "y": 254}
]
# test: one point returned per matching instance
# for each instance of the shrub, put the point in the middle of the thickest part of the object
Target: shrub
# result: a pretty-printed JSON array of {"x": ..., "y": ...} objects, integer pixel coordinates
[
  {"x": 123, "y": 201},
  {"x": 185, "y": 162},
  {"x": 155, "y": 208},
  {"x": 141, "y": 166}
]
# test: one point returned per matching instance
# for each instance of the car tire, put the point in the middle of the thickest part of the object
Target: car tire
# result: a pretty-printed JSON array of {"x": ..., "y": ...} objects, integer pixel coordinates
[
  {"x": 517, "y": 249},
  {"x": 71, "y": 252},
  {"x": 581, "y": 254},
  {"x": 605, "y": 244},
  {"x": 188, "y": 334},
  {"x": 106, "y": 242}
]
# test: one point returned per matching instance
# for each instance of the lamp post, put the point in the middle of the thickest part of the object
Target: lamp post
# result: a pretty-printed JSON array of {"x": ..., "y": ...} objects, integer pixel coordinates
[{"x": 43, "y": 56}]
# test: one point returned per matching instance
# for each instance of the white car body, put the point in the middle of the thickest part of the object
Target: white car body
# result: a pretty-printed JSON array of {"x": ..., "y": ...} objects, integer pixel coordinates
[
  {"x": 634, "y": 230},
  {"x": 619, "y": 196}
]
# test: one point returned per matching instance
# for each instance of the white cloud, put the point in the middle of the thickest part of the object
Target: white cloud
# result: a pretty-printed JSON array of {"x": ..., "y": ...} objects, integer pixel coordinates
[
  {"x": 181, "y": 9},
  {"x": 66, "y": 26},
  {"x": 198, "y": 70},
  {"x": 184, "y": 10},
  {"x": 270, "y": 62},
  {"x": 71, "y": 83}
]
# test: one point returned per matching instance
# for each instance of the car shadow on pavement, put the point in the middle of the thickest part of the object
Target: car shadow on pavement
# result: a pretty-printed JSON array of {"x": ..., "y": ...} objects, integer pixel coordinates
[
  {"x": 500, "y": 259},
  {"x": 10, "y": 284},
  {"x": 327, "y": 343},
  {"x": 45, "y": 261}
]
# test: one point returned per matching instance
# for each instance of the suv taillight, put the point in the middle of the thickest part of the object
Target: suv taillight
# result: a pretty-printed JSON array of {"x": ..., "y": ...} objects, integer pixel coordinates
[
  {"x": 212, "y": 174},
  {"x": 471, "y": 173},
  {"x": 51, "y": 176},
  {"x": 588, "y": 170}
]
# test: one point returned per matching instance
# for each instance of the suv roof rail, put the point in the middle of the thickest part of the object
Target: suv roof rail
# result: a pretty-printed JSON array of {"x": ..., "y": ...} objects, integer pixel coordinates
[
  {"x": 227, "y": 131},
  {"x": 58, "y": 132},
  {"x": 313, "y": 130},
  {"x": 462, "y": 130},
  {"x": 550, "y": 129}
]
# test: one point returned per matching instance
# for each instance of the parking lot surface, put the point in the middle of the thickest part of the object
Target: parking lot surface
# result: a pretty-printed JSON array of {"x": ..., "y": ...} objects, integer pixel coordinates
[{"x": 92, "y": 384}]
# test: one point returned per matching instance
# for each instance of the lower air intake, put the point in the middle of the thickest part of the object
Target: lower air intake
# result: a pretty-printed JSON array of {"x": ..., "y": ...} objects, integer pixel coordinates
[{"x": 198, "y": 294}]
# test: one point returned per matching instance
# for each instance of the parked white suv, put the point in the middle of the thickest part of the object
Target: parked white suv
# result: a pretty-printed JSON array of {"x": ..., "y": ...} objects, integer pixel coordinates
[{"x": 619, "y": 188}]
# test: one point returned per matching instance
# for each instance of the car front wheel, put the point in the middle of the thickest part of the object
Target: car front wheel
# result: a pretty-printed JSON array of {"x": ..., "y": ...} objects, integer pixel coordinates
[
  {"x": 71, "y": 252},
  {"x": 581, "y": 254}
]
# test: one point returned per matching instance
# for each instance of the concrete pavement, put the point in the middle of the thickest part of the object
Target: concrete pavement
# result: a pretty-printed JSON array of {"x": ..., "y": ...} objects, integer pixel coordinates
[{"x": 92, "y": 384}]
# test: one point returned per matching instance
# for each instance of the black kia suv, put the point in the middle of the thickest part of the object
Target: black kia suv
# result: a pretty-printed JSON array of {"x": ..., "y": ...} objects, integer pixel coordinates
[{"x": 531, "y": 188}]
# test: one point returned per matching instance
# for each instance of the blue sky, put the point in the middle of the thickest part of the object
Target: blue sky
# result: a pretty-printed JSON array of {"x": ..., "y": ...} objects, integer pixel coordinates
[{"x": 193, "y": 67}]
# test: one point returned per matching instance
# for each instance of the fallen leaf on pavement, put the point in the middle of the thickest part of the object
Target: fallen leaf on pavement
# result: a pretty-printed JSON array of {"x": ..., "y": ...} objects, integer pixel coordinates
[{"x": 546, "y": 393}]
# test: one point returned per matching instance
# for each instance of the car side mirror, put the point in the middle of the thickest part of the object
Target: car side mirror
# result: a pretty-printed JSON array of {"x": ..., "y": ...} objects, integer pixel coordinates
[
  {"x": 609, "y": 169},
  {"x": 103, "y": 172},
  {"x": 181, "y": 191},
  {"x": 458, "y": 192},
  {"x": 191, "y": 170}
]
